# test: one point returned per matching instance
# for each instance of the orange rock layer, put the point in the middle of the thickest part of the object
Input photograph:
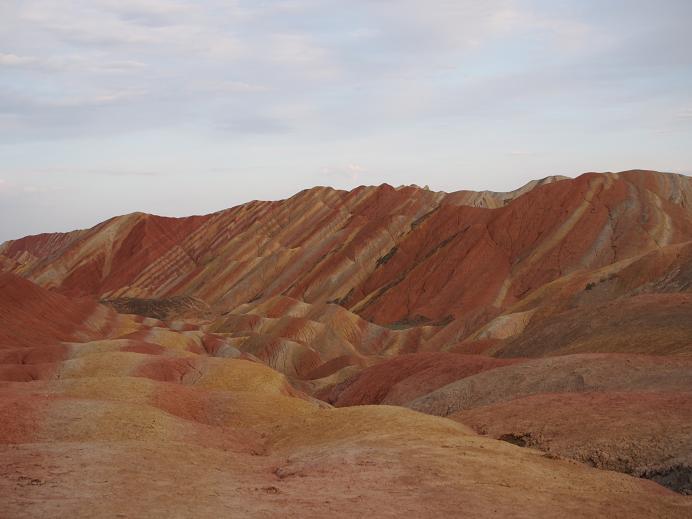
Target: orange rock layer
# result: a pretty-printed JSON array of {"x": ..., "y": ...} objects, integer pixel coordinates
[{"x": 384, "y": 351}]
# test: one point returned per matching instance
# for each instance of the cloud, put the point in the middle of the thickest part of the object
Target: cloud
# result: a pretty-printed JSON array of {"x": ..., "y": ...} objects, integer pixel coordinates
[
  {"x": 12, "y": 60},
  {"x": 136, "y": 8},
  {"x": 14, "y": 189},
  {"x": 71, "y": 64},
  {"x": 232, "y": 87},
  {"x": 685, "y": 114},
  {"x": 125, "y": 173},
  {"x": 252, "y": 125},
  {"x": 24, "y": 103},
  {"x": 322, "y": 69},
  {"x": 521, "y": 153},
  {"x": 113, "y": 91},
  {"x": 350, "y": 171},
  {"x": 93, "y": 65},
  {"x": 295, "y": 49}
]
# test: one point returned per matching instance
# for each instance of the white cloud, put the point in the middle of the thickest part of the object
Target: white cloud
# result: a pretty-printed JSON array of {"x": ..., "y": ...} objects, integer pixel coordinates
[
  {"x": 302, "y": 56},
  {"x": 124, "y": 172},
  {"x": 17, "y": 189},
  {"x": 351, "y": 171},
  {"x": 231, "y": 87},
  {"x": 39, "y": 104},
  {"x": 73, "y": 63},
  {"x": 521, "y": 153},
  {"x": 185, "y": 27},
  {"x": 158, "y": 7},
  {"x": 98, "y": 98},
  {"x": 685, "y": 114},
  {"x": 93, "y": 65},
  {"x": 12, "y": 60}
]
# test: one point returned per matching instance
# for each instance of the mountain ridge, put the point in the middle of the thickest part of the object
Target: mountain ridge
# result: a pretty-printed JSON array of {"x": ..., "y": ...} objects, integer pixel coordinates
[
  {"x": 358, "y": 352},
  {"x": 185, "y": 246}
]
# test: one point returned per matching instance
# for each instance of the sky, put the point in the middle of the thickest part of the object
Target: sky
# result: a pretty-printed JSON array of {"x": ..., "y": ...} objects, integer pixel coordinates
[{"x": 188, "y": 107}]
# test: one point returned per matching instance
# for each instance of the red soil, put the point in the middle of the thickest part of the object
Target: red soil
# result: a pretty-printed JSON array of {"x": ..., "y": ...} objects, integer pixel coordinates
[
  {"x": 373, "y": 296},
  {"x": 404, "y": 378}
]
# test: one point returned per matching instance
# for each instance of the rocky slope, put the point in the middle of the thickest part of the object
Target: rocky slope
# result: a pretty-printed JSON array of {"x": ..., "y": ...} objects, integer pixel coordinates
[
  {"x": 109, "y": 428},
  {"x": 471, "y": 330}
]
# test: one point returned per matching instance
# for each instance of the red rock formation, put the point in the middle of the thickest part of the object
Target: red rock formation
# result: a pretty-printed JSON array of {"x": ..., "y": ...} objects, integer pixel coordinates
[
  {"x": 34, "y": 316},
  {"x": 403, "y": 256},
  {"x": 643, "y": 433},
  {"x": 380, "y": 295},
  {"x": 407, "y": 377}
]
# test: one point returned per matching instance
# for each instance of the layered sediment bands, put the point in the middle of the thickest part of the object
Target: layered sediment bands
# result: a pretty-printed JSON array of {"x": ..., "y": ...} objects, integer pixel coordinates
[
  {"x": 301, "y": 340},
  {"x": 563, "y": 374},
  {"x": 32, "y": 316},
  {"x": 381, "y": 352},
  {"x": 462, "y": 260},
  {"x": 107, "y": 426},
  {"x": 397, "y": 257},
  {"x": 637, "y": 305},
  {"x": 402, "y": 379},
  {"x": 648, "y": 323}
]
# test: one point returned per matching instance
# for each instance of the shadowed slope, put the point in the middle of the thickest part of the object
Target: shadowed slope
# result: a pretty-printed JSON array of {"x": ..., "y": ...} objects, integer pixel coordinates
[
  {"x": 649, "y": 323},
  {"x": 406, "y": 377},
  {"x": 563, "y": 374},
  {"x": 646, "y": 434},
  {"x": 638, "y": 305},
  {"x": 31, "y": 315},
  {"x": 461, "y": 260}
]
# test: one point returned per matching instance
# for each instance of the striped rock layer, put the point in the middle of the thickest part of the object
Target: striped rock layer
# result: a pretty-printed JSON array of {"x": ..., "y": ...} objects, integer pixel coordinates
[
  {"x": 108, "y": 415},
  {"x": 393, "y": 256},
  {"x": 379, "y": 351}
]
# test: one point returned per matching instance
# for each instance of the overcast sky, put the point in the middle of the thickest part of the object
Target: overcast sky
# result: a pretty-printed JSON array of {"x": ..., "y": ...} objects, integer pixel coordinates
[{"x": 182, "y": 107}]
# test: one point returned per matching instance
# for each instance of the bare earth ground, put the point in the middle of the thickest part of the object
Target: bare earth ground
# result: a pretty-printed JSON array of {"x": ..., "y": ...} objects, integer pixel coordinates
[{"x": 382, "y": 352}]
